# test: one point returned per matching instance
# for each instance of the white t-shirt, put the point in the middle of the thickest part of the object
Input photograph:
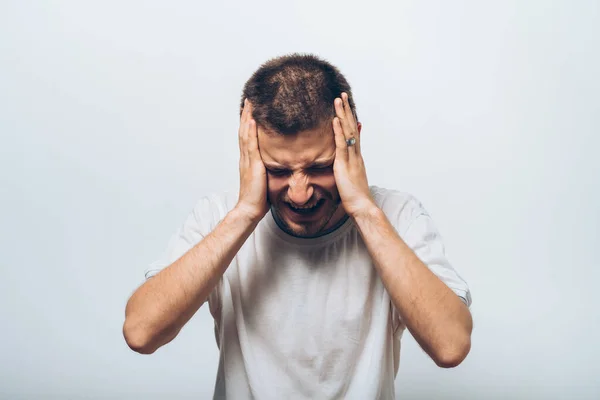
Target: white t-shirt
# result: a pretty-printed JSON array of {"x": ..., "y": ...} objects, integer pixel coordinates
[{"x": 309, "y": 318}]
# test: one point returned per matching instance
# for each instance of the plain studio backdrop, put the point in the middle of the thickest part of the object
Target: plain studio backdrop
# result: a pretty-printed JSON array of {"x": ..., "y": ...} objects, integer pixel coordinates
[{"x": 116, "y": 117}]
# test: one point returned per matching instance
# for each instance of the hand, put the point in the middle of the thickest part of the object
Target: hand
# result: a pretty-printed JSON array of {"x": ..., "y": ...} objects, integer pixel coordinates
[
  {"x": 348, "y": 167},
  {"x": 252, "y": 200}
]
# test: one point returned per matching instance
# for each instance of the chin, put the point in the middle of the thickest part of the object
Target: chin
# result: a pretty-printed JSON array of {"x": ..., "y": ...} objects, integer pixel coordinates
[
  {"x": 304, "y": 231},
  {"x": 307, "y": 229}
]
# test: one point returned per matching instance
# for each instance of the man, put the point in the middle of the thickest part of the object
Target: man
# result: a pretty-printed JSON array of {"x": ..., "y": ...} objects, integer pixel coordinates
[{"x": 311, "y": 274}]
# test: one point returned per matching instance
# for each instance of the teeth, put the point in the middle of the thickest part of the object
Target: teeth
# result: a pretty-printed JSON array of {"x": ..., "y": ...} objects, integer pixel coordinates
[{"x": 304, "y": 207}]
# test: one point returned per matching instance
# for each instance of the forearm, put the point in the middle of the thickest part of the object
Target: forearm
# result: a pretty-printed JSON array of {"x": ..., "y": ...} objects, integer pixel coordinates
[
  {"x": 437, "y": 318},
  {"x": 159, "y": 308}
]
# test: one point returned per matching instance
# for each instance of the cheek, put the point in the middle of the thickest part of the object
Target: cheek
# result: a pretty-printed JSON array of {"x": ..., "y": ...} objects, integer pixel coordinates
[
  {"x": 274, "y": 186},
  {"x": 326, "y": 182}
]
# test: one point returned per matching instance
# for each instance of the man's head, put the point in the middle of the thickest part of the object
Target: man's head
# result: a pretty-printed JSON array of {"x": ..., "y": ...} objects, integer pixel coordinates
[{"x": 292, "y": 99}]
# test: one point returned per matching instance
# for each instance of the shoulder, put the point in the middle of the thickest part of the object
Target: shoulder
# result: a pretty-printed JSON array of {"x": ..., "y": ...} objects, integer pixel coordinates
[{"x": 400, "y": 207}]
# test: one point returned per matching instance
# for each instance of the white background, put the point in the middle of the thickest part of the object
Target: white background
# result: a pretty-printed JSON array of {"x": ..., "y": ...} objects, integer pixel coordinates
[{"x": 116, "y": 116}]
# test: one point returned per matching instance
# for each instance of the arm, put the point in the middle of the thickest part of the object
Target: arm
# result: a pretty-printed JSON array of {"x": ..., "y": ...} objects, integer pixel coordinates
[
  {"x": 437, "y": 318},
  {"x": 159, "y": 308}
]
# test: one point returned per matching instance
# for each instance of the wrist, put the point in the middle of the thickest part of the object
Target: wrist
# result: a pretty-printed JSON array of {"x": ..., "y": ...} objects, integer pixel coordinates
[
  {"x": 246, "y": 215},
  {"x": 369, "y": 211}
]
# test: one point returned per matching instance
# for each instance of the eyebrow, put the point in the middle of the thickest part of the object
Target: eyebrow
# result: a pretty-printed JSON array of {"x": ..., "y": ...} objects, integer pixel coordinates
[{"x": 314, "y": 164}]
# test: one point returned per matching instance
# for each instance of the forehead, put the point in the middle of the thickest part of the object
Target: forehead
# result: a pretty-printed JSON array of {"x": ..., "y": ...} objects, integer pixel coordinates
[{"x": 297, "y": 150}]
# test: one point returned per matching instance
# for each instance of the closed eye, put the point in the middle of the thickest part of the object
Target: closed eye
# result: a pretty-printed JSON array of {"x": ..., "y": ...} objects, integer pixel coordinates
[
  {"x": 277, "y": 172},
  {"x": 321, "y": 170},
  {"x": 325, "y": 169}
]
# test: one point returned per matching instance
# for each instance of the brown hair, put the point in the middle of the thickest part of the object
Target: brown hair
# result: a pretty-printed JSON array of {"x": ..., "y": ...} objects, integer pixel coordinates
[{"x": 295, "y": 92}]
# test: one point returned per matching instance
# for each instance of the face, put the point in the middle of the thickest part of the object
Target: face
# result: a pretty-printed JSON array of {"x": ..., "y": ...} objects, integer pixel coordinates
[{"x": 301, "y": 184}]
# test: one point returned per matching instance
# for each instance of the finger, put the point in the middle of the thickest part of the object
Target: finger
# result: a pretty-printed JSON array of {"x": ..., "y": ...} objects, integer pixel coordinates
[
  {"x": 244, "y": 160},
  {"x": 244, "y": 110},
  {"x": 251, "y": 133},
  {"x": 246, "y": 116},
  {"x": 352, "y": 126},
  {"x": 345, "y": 118},
  {"x": 245, "y": 139},
  {"x": 347, "y": 130},
  {"x": 248, "y": 108},
  {"x": 339, "y": 109},
  {"x": 348, "y": 109},
  {"x": 341, "y": 148},
  {"x": 243, "y": 127},
  {"x": 253, "y": 150},
  {"x": 243, "y": 117}
]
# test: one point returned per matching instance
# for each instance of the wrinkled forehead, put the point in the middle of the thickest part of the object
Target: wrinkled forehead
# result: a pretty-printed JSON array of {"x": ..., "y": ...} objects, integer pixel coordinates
[{"x": 297, "y": 150}]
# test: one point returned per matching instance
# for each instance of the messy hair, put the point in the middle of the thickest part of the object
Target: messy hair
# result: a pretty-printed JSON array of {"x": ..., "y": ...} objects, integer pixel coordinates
[{"x": 294, "y": 93}]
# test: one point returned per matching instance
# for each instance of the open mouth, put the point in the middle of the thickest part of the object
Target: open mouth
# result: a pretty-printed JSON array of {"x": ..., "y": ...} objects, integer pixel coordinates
[{"x": 306, "y": 210}]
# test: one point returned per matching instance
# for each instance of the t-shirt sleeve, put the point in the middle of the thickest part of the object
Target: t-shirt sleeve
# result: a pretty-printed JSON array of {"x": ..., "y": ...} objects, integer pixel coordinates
[
  {"x": 196, "y": 226},
  {"x": 418, "y": 231},
  {"x": 415, "y": 226},
  {"x": 424, "y": 239},
  {"x": 205, "y": 216},
  {"x": 203, "y": 219}
]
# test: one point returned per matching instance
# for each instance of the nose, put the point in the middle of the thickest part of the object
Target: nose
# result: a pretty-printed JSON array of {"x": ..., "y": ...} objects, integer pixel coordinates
[{"x": 299, "y": 189}]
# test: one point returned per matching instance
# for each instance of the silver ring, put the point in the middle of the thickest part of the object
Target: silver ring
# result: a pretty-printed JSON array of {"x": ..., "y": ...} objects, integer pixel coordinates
[{"x": 351, "y": 141}]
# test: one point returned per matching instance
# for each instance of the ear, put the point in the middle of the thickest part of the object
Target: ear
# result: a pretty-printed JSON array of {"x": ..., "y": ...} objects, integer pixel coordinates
[{"x": 359, "y": 128}]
